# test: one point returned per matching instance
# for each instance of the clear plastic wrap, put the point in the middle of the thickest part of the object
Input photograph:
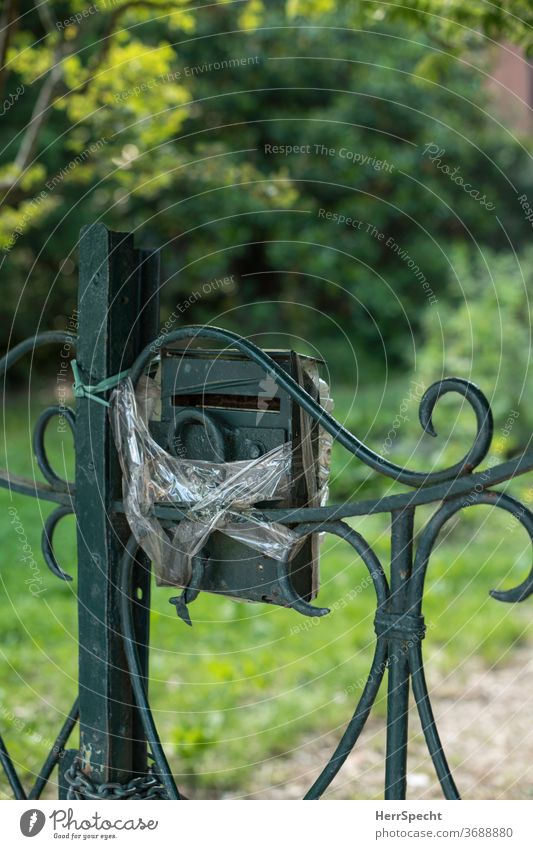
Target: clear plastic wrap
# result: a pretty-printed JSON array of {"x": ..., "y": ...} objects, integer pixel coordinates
[
  {"x": 325, "y": 443},
  {"x": 320, "y": 488},
  {"x": 214, "y": 496}
]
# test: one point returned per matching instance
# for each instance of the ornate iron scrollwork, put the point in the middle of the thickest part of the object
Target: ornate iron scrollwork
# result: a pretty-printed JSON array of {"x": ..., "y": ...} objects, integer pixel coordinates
[
  {"x": 399, "y": 620},
  {"x": 56, "y": 490}
]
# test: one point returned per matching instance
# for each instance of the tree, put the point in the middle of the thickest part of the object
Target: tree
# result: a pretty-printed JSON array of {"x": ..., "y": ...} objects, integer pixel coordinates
[{"x": 179, "y": 122}]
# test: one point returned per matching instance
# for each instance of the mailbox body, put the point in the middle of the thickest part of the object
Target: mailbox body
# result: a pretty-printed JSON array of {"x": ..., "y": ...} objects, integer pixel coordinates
[{"x": 252, "y": 415}]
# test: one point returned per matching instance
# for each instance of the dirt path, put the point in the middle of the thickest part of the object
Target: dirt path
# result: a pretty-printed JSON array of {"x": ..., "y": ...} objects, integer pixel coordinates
[{"x": 485, "y": 719}]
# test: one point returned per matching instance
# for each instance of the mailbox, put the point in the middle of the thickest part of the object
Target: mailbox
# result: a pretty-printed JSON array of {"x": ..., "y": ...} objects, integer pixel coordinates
[{"x": 220, "y": 406}]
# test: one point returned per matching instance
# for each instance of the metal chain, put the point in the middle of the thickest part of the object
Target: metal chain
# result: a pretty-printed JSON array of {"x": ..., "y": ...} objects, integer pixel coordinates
[{"x": 142, "y": 787}]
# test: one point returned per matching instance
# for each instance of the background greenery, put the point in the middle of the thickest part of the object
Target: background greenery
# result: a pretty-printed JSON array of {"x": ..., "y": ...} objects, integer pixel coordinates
[
  {"x": 184, "y": 163},
  {"x": 180, "y": 159}
]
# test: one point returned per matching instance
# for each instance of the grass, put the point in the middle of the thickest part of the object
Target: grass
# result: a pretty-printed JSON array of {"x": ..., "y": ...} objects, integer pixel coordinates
[{"x": 247, "y": 683}]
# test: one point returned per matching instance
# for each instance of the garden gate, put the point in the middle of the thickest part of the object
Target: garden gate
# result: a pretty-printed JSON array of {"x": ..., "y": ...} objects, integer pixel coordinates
[{"x": 119, "y": 754}]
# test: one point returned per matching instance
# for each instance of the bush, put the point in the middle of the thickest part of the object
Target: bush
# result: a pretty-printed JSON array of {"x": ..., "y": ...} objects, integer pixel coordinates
[{"x": 484, "y": 333}]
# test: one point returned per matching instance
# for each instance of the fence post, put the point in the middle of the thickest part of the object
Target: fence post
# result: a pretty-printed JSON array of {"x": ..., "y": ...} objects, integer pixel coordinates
[
  {"x": 402, "y": 524},
  {"x": 118, "y": 311}
]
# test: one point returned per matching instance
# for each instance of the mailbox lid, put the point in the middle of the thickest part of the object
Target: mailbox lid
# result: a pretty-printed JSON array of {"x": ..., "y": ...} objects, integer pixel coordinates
[{"x": 229, "y": 382}]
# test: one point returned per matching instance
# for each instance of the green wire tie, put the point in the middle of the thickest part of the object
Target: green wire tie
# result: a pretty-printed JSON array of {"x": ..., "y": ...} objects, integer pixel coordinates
[{"x": 84, "y": 390}]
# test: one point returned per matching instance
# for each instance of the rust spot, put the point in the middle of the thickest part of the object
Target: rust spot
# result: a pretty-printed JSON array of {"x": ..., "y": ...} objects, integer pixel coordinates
[{"x": 85, "y": 756}]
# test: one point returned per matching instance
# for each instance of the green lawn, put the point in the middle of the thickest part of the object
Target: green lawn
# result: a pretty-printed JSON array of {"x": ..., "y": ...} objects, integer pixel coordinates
[{"x": 248, "y": 683}]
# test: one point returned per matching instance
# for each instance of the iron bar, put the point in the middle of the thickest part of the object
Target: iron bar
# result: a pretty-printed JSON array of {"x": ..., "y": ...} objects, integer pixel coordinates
[{"x": 402, "y": 523}]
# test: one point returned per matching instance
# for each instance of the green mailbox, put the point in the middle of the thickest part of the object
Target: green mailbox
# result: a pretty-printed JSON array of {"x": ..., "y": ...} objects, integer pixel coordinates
[{"x": 219, "y": 406}]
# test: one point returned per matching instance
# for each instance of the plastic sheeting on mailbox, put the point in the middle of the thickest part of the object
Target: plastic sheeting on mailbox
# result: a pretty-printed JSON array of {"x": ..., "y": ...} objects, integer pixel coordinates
[{"x": 214, "y": 496}]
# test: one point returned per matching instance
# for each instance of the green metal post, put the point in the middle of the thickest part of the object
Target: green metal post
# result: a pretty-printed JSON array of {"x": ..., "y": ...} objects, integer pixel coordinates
[
  {"x": 147, "y": 329},
  {"x": 398, "y": 671},
  {"x": 117, "y": 313}
]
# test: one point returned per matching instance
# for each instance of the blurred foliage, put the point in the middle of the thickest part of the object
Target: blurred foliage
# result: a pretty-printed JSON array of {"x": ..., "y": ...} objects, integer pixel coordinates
[
  {"x": 156, "y": 118},
  {"x": 484, "y": 333},
  {"x": 455, "y": 23}
]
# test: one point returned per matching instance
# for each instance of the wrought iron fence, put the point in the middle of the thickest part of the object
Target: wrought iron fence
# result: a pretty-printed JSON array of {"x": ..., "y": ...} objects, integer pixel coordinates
[{"x": 120, "y": 755}]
